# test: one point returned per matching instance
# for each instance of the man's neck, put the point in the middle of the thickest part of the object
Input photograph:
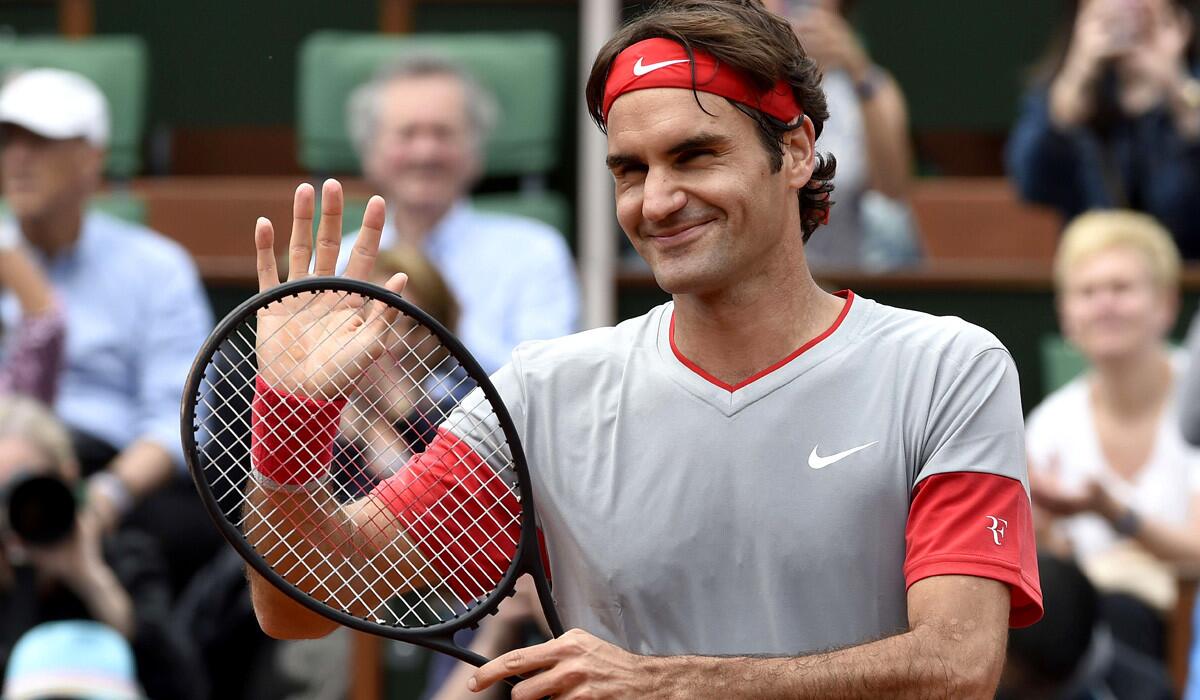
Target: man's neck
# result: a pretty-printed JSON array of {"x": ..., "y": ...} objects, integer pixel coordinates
[
  {"x": 54, "y": 232},
  {"x": 737, "y": 334},
  {"x": 414, "y": 224}
]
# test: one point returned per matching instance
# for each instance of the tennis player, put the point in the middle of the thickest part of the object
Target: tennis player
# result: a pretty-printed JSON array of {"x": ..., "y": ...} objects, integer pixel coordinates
[{"x": 759, "y": 489}]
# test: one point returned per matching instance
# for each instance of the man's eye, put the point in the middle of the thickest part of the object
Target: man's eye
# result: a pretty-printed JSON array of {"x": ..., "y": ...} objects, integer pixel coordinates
[{"x": 692, "y": 156}]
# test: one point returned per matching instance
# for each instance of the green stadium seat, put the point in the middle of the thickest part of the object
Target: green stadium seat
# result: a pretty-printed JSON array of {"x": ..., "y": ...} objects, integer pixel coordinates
[
  {"x": 121, "y": 204},
  {"x": 523, "y": 69},
  {"x": 1061, "y": 362},
  {"x": 117, "y": 64}
]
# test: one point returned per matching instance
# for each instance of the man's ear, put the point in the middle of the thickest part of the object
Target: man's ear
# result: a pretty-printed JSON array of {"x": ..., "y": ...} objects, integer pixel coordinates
[{"x": 799, "y": 153}]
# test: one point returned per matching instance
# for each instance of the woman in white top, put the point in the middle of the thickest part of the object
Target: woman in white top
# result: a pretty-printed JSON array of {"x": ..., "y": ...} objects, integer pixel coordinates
[{"x": 1114, "y": 484}]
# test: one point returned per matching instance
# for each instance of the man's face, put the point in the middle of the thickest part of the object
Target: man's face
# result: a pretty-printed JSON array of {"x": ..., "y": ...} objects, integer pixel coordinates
[
  {"x": 39, "y": 175},
  {"x": 424, "y": 153},
  {"x": 695, "y": 192}
]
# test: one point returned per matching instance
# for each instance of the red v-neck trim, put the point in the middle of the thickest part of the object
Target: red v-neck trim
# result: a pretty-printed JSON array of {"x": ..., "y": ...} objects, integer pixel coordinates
[{"x": 849, "y": 295}]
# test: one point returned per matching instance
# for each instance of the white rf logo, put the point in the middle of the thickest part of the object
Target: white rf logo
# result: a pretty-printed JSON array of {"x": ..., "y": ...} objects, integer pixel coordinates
[{"x": 998, "y": 526}]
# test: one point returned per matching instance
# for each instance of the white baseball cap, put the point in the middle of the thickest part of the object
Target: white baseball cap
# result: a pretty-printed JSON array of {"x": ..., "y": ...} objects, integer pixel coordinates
[{"x": 56, "y": 104}]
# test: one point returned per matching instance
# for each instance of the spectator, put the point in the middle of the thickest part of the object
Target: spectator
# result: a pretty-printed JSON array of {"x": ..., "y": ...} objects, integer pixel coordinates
[
  {"x": 34, "y": 348},
  {"x": 397, "y": 409},
  {"x": 136, "y": 312},
  {"x": 1070, "y": 654},
  {"x": 71, "y": 660},
  {"x": 1113, "y": 119},
  {"x": 420, "y": 127},
  {"x": 77, "y": 572},
  {"x": 870, "y": 224},
  {"x": 1116, "y": 484}
]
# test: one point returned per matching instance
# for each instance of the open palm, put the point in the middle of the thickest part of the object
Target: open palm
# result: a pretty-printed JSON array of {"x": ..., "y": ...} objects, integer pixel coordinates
[{"x": 318, "y": 344}]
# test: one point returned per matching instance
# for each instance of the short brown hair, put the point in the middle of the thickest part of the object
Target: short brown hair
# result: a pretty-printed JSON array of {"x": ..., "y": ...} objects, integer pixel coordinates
[{"x": 757, "y": 43}]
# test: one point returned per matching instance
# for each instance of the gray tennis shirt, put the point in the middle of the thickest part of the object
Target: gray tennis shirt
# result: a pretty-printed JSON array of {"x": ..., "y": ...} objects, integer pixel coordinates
[{"x": 686, "y": 516}]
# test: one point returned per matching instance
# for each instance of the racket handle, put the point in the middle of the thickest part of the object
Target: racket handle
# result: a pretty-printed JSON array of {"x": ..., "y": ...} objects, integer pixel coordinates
[{"x": 291, "y": 436}]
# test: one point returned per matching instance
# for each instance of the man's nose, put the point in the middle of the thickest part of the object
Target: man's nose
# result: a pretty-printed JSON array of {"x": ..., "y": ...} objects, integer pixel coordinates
[{"x": 661, "y": 195}]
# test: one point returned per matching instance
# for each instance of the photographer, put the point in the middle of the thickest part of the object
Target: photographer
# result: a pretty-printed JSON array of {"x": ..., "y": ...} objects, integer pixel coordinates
[
  {"x": 56, "y": 565},
  {"x": 1113, "y": 119}
]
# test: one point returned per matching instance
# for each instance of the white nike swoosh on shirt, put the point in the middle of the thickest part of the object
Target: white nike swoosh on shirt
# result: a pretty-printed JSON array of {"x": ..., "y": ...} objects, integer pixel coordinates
[
  {"x": 816, "y": 461},
  {"x": 640, "y": 70}
]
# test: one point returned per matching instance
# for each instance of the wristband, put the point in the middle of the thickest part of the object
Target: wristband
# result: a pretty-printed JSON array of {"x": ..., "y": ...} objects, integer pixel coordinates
[
  {"x": 1128, "y": 524},
  {"x": 113, "y": 488},
  {"x": 291, "y": 436},
  {"x": 869, "y": 86}
]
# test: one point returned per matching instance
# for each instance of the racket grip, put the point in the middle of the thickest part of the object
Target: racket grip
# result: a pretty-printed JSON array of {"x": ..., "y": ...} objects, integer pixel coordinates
[{"x": 291, "y": 436}]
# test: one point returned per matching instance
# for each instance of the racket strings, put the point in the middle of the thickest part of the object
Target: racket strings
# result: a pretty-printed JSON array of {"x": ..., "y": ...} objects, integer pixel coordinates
[{"x": 465, "y": 536}]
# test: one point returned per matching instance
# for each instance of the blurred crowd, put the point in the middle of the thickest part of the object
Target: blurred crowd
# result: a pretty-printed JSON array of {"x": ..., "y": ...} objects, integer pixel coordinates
[{"x": 111, "y": 571}]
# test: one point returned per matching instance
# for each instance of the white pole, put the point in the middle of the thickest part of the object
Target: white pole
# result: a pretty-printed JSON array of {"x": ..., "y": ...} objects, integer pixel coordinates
[{"x": 595, "y": 219}]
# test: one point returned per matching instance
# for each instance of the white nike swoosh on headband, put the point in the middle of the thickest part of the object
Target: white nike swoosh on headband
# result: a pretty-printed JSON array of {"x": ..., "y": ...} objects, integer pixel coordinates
[
  {"x": 816, "y": 461},
  {"x": 640, "y": 70}
]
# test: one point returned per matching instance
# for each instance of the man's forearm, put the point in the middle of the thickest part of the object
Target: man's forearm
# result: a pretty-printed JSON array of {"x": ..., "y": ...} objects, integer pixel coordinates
[{"x": 925, "y": 662}]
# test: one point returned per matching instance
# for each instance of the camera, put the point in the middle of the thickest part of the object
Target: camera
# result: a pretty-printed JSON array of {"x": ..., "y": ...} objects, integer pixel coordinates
[{"x": 40, "y": 509}]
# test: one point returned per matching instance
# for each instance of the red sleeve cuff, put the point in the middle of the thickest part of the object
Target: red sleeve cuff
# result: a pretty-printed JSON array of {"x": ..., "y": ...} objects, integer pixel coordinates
[
  {"x": 291, "y": 436},
  {"x": 975, "y": 524},
  {"x": 458, "y": 512}
]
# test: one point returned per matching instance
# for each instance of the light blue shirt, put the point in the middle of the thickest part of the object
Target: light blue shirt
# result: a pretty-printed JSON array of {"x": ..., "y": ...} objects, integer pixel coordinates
[
  {"x": 136, "y": 316},
  {"x": 513, "y": 278}
]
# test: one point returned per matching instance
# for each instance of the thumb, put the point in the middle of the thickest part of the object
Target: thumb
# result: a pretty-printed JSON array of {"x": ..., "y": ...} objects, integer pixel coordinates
[{"x": 383, "y": 315}]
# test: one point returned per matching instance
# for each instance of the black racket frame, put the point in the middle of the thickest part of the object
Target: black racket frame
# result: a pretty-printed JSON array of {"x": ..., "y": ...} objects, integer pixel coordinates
[{"x": 437, "y": 637}]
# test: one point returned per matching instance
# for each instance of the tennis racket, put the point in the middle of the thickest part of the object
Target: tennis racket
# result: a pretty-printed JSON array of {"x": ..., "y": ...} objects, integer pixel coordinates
[{"x": 360, "y": 460}]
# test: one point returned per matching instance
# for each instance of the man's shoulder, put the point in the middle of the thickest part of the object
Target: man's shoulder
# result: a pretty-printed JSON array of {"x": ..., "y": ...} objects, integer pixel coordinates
[
  {"x": 945, "y": 338},
  {"x": 588, "y": 350}
]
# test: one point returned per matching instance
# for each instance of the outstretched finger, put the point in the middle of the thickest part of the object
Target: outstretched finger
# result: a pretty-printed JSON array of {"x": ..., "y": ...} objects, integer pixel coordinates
[
  {"x": 264, "y": 254},
  {"x": 300, "y": 247},
  {"x": 329, "y": 231},
  {"x": 366, "y": 244}
]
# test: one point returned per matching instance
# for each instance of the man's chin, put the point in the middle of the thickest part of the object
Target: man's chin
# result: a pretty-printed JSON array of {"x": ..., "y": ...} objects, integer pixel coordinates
[{"x": 24, "y": 208}]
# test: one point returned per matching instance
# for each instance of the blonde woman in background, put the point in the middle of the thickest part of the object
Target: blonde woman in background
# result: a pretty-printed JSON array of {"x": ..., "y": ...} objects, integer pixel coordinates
[{"x": 1115, "y": 485}]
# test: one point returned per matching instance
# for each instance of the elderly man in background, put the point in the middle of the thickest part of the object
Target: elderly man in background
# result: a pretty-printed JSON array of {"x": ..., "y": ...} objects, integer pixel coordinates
[
  {"x": 136, "y": 311},
  {"x": 420, "y": 128}
]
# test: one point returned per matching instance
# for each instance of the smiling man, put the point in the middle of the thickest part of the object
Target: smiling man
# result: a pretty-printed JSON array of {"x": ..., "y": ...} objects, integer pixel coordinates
[{"x": 759, "y": 489}]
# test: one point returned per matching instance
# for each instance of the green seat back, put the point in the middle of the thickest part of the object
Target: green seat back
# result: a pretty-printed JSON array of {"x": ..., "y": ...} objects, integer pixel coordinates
[
  {"x": 117, "y": 64},
  {"x": 1061, "y": 362},
  {"x": 523, "y": 69},
  {"x": 121, "y": 204}
]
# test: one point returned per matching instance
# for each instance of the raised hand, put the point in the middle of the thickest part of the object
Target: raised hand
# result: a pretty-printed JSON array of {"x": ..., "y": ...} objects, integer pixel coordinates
[{"x": 317, "y": 345}]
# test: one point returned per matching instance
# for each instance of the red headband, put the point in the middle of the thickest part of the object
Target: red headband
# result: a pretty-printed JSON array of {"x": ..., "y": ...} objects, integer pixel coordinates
[{"x": 655, "y": 63}]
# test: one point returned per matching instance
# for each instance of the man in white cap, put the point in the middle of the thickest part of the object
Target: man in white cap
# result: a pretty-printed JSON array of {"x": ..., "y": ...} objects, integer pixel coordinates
[{"x": 136, "y": 311}]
